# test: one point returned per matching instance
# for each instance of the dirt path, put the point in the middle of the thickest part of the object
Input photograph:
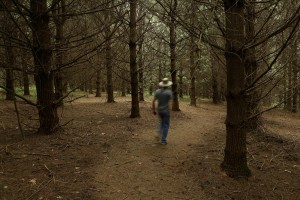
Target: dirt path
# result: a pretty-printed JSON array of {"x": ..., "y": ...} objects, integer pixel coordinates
[
  {"x": 145, "y": 169},
  {"x": 102, "y": 154}
]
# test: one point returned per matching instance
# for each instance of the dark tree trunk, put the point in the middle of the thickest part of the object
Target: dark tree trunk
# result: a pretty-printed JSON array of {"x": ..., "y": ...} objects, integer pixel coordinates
[
  {"x": 285, "y": 87},
  {"x": 235, "y": 159},
  {"x": 160, "y": 63},
  {"x": 109, "y": 79},
  {"x": 108, "y": 56},
  {"x": 135, "y": 109},
  {"x": 193, "y": 49},
  {"x": 9, "y": 79},
  {"x": 289, "y": 87},
  {"x": 141, "y": 70},
  {"x": 180, "y": 82},
  {"x": 159, "y": 72},
  {"x": 123, "y": 88},
  {"x": 151, "y": 82},
  {"x": 173, "y": 70},
  {"x": 25, "y": 77},
  {"x": 10, "y": 54},
  {"x": 193, "y": 99},
  {"x": 91, "y": 86},
  {"x": 215, "y": 81},
  {"x": 98, "y": 83},
  {"x": 295, "y": 70},
  {"x": 42, "y": 54}
]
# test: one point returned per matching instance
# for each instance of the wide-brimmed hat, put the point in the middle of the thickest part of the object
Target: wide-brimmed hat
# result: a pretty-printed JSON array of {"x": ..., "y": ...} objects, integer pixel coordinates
[{"x": 165, "y": 83}]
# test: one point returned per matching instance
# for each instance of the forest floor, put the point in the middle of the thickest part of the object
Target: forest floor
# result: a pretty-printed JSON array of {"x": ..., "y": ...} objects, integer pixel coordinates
[{"x": 101, "y": 153}]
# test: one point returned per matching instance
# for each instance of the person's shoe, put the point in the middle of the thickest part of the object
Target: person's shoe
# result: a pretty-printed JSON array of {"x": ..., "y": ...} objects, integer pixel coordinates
[{"x": 163, "y": 143}]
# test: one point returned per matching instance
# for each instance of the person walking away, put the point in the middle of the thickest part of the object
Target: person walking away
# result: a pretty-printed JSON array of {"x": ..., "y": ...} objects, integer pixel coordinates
[{"x": 163, "y": 96}]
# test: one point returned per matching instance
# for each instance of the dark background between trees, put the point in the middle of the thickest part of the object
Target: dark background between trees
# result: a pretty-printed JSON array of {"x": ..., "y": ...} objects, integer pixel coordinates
[{"x": 239, "y": 51}]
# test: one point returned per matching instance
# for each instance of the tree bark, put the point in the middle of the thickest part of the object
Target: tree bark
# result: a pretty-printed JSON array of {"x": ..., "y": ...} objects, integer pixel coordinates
[
  {"x": 91, "y": 86},
  {"x": 180, "y": 82},
  {"x": 9, "y": 79},
  {"x": 151, "y": 88},
  {"x": 295, "y": 71},
  {"x": 108, "y": 55},
  {"x": 173, "y": 70},
  {"x": 135, "y": 109},
  {"x": 98, "y": 83},
  {"x": 42, "y": 54},
  {"x": 123, "y": 88},
  {"x": 193, "y": 49},
  {"x": 26, "y": 83},
  {"x": 10, "y": 54},
  {"x": 235, "y": 159}
]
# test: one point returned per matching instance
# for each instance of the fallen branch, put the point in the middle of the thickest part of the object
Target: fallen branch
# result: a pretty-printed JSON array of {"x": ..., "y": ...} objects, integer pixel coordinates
[
  {"x": 67, "y": 123},
  {"x": 75, "y": 99},
  {"x": 40, "y": 187},
  {"x": 35, "y": 154},
  {"x": 18, "y": 118},
  {"x": 50, "y": 172}
]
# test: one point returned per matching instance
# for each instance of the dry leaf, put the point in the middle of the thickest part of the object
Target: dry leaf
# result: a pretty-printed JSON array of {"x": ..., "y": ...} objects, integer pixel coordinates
[{"x": 33, "y": 181}]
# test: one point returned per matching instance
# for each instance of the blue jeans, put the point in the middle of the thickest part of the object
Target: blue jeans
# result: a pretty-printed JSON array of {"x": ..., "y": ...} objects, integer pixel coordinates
[{"x": 164, "y": 126}]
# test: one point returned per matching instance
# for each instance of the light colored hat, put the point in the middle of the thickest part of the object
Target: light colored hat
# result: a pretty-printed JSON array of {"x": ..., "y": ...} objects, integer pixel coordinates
[{"x": 165, "y": 83}]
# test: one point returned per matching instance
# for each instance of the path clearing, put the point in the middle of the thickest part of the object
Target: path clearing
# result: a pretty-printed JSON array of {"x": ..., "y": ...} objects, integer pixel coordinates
[{"x": 145, "y": 169}]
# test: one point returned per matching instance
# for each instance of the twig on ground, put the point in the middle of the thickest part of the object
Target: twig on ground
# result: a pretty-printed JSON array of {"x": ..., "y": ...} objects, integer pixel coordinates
[
  {"x": 70, "y": 101},
  {"x": 18, "y": 118},
  {"x": 67, "y": 123},
  {"x": 94, "y": 189},
  {"x": 275, "y": 156},
  {"x": 40, "y": 187},
  {"x": 34, "y": 154},
  {"x": 51, "y": 174}
]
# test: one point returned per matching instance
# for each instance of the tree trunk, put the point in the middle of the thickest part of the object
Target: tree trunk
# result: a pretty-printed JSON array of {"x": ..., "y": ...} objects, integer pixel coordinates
[
  {"x": 108, "y": 56},
  {"x": 285, "y": 88},
  {"x": 173, "y": 70},
  {"x": 123, "y": 88},
  {"x": 110, "y": 88},
  {"x": 98, "y": 83},
  {"x": 151, "y": 81},
  {"x": 9, "y": 79},
  {"x": 193, "y": 49},
  {"x": 295, "y": 70},
  {"x": 91, "y": 86},
  {"x": 10, "y": 54},
  {"x": 180, "y": 82},
  {"x": 289, "y": 87},
  {"x": 135, "y": 109},
  {"x": 193, "y": 100},
  {"x": 25, "y": 77},
  {"x": 42, "y": 54},
  {"x": 215, "y": 75},
  {"x": 235, "y": 159}
]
